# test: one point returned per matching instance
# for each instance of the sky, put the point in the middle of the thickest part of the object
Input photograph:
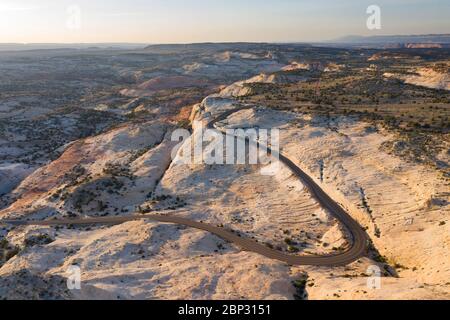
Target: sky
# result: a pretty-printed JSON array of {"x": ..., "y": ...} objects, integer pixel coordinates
[{"x": 187, "y": 21}]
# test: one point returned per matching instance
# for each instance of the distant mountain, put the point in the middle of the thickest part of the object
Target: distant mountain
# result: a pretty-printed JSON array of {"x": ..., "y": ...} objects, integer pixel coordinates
[
  {"x": 57, "y": 46},
  {"x": 395, "y": 39},
  {"x": 215, "y": 47},
  {"x": 206, "y": 46}
]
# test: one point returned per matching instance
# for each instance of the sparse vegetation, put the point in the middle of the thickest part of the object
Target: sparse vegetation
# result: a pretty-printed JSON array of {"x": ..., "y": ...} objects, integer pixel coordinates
[
  {"x": 40, "y": 239},
  {"x": 7, "y": 251},
  {"x": 300, "y": 287}
]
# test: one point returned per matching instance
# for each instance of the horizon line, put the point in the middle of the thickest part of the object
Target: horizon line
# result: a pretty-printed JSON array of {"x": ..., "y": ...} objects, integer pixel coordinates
[{"x": 218, "y": 42}]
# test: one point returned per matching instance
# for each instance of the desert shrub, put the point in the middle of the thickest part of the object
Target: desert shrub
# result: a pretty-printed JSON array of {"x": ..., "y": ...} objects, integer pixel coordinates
[
  {"x": 4, "y": 244},
  {"x": 40, "y": 239},
  {"x": 300, "y": 287},
  {"x": 117, "y": 170},
  {"x": 7, "y": 251},
  {"x": 11, "y": 253}
]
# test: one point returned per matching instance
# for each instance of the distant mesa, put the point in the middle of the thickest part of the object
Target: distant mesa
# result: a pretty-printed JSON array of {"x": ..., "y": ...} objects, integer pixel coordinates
[
  {"x": 389, "y": 55},
  {"x": 423, "y": 45},
  {"x": 399, "y": 41}
]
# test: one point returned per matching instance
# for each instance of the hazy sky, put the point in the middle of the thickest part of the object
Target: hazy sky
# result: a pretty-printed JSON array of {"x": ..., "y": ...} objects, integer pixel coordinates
[{"x": 169, "y": 21}]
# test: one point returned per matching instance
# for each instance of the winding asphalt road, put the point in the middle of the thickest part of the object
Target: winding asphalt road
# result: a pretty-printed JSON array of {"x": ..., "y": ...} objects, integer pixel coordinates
[{"x": 357, "y": 249}]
